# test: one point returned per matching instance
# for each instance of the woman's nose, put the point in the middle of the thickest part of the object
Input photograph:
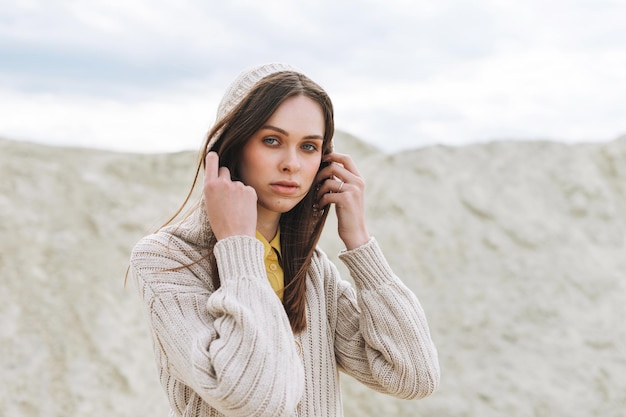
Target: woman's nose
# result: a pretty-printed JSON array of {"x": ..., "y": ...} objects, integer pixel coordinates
[{"x": 290, "y": 161}]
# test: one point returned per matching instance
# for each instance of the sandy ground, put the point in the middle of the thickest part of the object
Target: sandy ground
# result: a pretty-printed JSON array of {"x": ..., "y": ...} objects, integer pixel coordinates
[{"x": 516, "y": 251}]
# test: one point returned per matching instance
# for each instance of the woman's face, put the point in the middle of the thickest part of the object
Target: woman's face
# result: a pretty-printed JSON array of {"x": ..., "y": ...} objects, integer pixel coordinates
[{"x": 280, "y": 161}]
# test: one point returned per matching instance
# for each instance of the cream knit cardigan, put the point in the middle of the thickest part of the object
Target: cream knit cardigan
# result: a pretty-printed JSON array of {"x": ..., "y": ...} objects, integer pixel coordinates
[{"x": 231, "y": 352}]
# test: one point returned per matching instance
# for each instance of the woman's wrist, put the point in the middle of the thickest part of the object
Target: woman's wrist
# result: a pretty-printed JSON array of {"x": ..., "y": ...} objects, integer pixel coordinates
[{"x": 355, "y": 241}]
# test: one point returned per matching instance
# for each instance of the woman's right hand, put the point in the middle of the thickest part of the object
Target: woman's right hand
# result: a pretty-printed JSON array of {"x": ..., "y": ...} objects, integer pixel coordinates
[{"x": 230, "y": 205}]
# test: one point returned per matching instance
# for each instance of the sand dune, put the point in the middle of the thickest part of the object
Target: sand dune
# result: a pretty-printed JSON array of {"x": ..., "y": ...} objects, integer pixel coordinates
[{"x": 516, "y": 250}]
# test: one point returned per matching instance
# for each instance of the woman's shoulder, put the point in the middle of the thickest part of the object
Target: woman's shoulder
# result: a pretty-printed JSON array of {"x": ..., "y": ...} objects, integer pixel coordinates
[
  {"x": 192, "y": 232},
  {"x": 167, "y": 261},
  {"x": 156, "y": 242},
  {"x": 166, "y": 245}
]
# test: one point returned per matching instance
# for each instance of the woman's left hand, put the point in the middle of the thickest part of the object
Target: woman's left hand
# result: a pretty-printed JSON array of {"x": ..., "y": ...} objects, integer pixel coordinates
[{"x": 342, "y": 185}]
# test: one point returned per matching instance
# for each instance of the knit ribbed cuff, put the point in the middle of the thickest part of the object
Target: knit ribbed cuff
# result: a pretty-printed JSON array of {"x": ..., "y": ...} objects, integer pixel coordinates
[
  {"x": 239, "y": 256},
  {"x": 367, "y": 265}
]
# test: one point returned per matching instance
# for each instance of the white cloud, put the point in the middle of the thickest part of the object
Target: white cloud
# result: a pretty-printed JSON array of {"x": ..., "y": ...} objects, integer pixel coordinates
[
  {"x": 408, "y": 72},
  {"x": 537, "y": 93},
  {"x": 167, "y": 123}
]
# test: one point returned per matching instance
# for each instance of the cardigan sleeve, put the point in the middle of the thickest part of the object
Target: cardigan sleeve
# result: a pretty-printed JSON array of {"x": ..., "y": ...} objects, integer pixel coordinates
[
  {"x": 382, "y": 337},
  {"x": 234, "y": 346}
]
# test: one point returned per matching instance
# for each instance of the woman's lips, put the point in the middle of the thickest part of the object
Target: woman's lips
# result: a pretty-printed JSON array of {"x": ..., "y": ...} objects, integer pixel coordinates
[{"x": 285, "y": 187}]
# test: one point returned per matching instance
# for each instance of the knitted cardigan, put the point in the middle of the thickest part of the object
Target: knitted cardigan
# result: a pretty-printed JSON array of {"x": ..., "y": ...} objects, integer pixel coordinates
[{"x": 232, "y": 352}]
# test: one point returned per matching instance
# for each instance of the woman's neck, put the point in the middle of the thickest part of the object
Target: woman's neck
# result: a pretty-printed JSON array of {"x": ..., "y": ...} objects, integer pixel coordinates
[{"x": 267, "y": 223}]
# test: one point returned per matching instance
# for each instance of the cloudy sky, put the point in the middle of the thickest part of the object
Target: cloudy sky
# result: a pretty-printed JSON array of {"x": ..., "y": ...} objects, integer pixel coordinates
[{"x": 147, "y": 75}]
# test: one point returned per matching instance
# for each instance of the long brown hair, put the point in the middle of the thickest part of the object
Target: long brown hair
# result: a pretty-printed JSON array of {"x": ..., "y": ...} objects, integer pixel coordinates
[{"x": 301, "y": 227}]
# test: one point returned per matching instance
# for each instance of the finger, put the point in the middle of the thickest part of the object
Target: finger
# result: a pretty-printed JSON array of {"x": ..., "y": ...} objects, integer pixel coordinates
[
  {"x": 335, "y": 171},
  {"x": 335, "y": 185},
  {"x": 327, "y": 198},
  {"x": 211, "y": 163},
  {"x": 343, "y": 160},
  {"x": 224, "y": 173},
  {"x": 340, "y": 166},
  {"x": 331, "y": 186}
]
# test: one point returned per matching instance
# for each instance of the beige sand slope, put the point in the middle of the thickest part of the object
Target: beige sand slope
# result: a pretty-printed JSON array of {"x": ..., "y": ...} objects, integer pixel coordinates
[{"x": 517, "y": 251}]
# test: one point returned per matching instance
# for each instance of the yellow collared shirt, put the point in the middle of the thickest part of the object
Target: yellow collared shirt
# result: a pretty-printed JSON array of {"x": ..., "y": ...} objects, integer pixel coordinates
[{"x": 272, "y": 265}]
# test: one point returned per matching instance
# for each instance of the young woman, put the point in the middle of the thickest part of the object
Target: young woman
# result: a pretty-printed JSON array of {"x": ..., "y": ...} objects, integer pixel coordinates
[{"x": 248, "y": 316}]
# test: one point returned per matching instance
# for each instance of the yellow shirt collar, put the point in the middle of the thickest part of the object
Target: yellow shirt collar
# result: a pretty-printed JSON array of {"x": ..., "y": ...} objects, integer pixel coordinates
[
  {"x": 274, "y": 271},
  {"x": 273, "y": 244}
]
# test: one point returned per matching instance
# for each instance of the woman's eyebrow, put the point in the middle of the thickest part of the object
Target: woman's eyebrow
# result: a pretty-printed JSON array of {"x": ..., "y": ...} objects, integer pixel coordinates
[{"x": 284, "y": 132}]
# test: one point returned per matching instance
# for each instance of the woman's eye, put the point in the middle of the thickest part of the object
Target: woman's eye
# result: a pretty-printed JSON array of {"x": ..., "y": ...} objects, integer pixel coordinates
[
  {"x": 270, "y": 141},
  {"x": 309, "y": 147}
]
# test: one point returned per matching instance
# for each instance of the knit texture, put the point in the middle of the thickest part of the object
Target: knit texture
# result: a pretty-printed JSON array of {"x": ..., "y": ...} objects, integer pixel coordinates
[
  {"x": 231, "y": 351},
  {"x": 242, "y": 85}
]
